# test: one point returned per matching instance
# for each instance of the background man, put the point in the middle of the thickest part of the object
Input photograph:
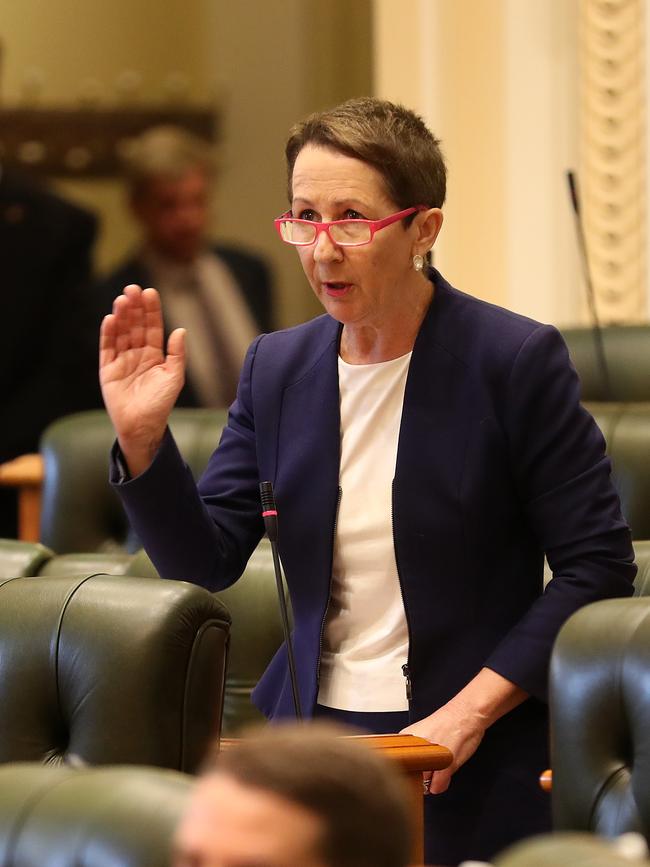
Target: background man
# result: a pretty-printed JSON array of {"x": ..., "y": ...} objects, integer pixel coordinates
[
  {"x": 297, "y": 796},
  {"x": 220, "y": 293}
]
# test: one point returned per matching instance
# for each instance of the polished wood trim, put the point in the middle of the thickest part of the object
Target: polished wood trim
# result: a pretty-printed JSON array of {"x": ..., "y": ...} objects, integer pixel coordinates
[{"x": 26, "y": 473}]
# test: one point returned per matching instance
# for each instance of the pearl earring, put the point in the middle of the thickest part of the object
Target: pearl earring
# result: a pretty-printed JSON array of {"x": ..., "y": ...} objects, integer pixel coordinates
[{"x": 418, "y": 262}]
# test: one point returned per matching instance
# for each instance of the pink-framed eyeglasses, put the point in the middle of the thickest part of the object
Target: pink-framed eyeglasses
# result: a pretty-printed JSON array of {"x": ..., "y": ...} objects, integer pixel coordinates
[{"x": 344, "y": 233}]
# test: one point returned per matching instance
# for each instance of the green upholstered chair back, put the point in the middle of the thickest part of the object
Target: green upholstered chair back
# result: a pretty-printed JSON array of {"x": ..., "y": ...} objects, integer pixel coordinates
[
  {"x": 80, "y": 512},
  {"x": 600, "y": 719},
  {"x": 567, "y": 850},
  {"x": 94, "y": 817},
  {"x": 642, "y": 557},
  {"x": 22, "y": 558},
  {"x": 627, "y": 351},
  {"x": 110, "y": 670},
  {"x": 255, "y": 632},
  {"x": 626, "y": 428}
]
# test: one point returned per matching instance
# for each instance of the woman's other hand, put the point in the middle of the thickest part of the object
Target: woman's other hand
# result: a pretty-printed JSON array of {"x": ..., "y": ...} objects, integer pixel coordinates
[
  {"x": 460, "y": 724},
  {"x": 451, "y": 727},
  {"x": 140, "y": 383}
]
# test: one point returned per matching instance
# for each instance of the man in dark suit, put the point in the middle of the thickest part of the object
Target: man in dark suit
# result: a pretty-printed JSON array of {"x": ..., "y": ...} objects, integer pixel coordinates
[
  {"x": 45, "y": 256},
  {"x": 220, "y": 293}
]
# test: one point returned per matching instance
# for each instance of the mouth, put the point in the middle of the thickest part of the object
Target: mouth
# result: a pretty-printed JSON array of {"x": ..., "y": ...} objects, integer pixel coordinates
[{"x": 335, "y": 289}]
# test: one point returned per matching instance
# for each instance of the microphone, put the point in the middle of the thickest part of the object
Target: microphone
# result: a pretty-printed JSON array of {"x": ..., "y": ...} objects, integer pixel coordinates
[
  {"x": 270, "y": 515},
  {"x": 599, "y": 346},
  {"x": 269, "y": 511}
]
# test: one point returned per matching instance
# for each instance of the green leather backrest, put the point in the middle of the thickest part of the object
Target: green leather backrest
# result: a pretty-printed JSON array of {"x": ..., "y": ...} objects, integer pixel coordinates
[
  {"x": 110, "y": 669},
  {"x": 642, "y": 557},
  {"x": 255, "y": 632},
  {"x": 626, "y": 428},
  {"x": 80, "y": 512},
  {"x": 600, "y": 719},
  {"x": 22, "y": 558},
  {"x": 94, "y": 817},
  {"x": 627, "y": 351},
  {"x": 566, "y": 850}
]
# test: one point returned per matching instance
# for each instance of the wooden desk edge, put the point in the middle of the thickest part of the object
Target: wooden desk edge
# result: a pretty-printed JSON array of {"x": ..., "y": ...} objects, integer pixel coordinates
[
  {"x": 21, "y": 471},
  {"x": 410, "y": 752}
]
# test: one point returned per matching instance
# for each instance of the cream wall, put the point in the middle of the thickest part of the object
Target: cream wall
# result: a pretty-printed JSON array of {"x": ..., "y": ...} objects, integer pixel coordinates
[
  {"x": 263, "y": 64},
  {"x": 497, "y": 81},
  {"x": 80, "y": 48}
]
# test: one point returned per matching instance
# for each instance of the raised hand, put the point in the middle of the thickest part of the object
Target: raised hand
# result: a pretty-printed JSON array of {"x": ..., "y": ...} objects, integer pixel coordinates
[{"x": 140, "y": 383}]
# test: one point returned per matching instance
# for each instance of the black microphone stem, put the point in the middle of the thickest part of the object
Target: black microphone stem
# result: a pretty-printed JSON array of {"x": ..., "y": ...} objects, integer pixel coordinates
[
  {"x": 599, "y": 345},
  {"x": 270, "y": 515}
]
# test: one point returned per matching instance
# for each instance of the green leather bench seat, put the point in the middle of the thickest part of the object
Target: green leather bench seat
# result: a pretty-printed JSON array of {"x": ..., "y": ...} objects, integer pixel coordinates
[
  {"x": 626, "y": 428},
  {"x": 79, "y": 511},
  {"x": 627, "y": 351},
  {"x": 22, "y": 558},
  {"x": 255, "y": 632},
  {"x": 95, "y": 817},
  {"x": 599, "y": 701},
  {"x": 110, "y": 670}
]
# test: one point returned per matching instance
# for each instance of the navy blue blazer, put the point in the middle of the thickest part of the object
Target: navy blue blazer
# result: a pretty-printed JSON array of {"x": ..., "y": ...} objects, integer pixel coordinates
[{"x": 497, "y": 463}]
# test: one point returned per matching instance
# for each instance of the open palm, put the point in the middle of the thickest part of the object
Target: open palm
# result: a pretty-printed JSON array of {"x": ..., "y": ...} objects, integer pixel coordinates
[{"x": 140, "y": 383}]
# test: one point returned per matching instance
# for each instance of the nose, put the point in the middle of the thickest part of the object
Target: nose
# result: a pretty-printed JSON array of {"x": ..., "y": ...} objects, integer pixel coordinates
[{"x": 325, "y": 250}]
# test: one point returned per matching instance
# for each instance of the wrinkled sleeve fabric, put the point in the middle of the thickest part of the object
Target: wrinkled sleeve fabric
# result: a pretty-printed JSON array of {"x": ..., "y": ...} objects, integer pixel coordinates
[
  {"x": 563, "y": 478},
  {"x": 201, "y": 533}
]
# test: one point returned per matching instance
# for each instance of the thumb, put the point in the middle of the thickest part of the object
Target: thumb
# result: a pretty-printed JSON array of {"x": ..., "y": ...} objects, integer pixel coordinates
[{"x": 176, "y": 347}]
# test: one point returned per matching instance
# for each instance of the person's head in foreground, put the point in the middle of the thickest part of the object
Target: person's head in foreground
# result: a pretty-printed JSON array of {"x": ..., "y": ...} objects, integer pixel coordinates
[
  {"x": 376, "y": 166},
  {"x": 168, "y": 173},
  {"x": 297, "y": 796}
]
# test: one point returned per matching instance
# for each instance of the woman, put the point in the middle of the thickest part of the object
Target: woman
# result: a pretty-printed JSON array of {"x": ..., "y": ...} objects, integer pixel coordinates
[{"x": 426, "y": 449}]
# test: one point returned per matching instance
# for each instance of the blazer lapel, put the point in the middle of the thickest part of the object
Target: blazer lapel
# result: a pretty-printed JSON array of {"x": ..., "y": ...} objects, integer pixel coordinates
[
  {"x": 307, "y": 476},
  {"x": 434, "y": 435}
]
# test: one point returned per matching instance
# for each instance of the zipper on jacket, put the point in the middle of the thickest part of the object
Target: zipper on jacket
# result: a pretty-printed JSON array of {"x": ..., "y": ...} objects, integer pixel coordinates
[
  {"x": 329, "y": 591},
  {"x": 406, "y": 668},
  {"x": 406, "y": 671}
]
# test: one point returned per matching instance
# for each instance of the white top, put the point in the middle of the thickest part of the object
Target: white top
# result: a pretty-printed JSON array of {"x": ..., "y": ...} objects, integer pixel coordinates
[{"x": 365, "y": 641}]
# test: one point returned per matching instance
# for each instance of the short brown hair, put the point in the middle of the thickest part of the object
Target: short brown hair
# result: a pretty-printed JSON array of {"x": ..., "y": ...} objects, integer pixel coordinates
[
  {"x": 389, "y": 137},
  {"x": 358, "y": 796}
]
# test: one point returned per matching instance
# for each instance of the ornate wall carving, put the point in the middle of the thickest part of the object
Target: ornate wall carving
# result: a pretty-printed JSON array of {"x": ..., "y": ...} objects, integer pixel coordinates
[{"x": 613, "y": 154}]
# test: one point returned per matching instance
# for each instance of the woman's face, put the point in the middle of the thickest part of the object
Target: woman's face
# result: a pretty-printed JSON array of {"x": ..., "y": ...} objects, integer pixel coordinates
[{"x": 358, "y": 286}]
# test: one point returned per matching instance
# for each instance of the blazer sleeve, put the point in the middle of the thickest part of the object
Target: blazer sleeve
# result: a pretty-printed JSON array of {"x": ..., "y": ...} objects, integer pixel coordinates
[
  {"x": 563, "y": 477},
  {"x": 201, "y": 533}
]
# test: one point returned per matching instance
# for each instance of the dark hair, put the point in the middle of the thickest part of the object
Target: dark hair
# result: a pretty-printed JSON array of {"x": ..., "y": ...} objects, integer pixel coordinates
[
  {"x": 357, "y": 794},
  {"x": 391, "y": 138}
]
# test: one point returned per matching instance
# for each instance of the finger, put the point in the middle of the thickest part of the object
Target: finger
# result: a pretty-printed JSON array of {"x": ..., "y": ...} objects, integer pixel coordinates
[
  {"x": 426, "y": 782},
  {"x": 440, "y": 782},
  {"x": 130, "y": 309},
  {"x": 107, "y": 340},
  {"x": 136, "y": 321},
  {"x": 122, "y": 320},
  {"x": 153, "y": 318},
  {"x": 176, "y": 345}
]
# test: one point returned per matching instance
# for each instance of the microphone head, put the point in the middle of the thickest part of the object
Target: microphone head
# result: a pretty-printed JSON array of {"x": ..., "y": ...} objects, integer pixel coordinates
[{"x": 267, "y": 497}]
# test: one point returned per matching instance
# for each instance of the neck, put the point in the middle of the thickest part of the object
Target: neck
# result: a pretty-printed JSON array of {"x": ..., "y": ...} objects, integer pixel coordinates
[{"x": 390, "y": 338}]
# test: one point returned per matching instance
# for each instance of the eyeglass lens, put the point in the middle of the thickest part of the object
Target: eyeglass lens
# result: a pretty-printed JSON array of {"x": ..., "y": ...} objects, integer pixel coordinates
[{"x": 345, "y": 232}]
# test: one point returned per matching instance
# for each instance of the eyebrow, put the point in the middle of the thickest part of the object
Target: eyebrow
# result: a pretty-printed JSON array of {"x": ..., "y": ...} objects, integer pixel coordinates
[{"x": 355, "y": 204}]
